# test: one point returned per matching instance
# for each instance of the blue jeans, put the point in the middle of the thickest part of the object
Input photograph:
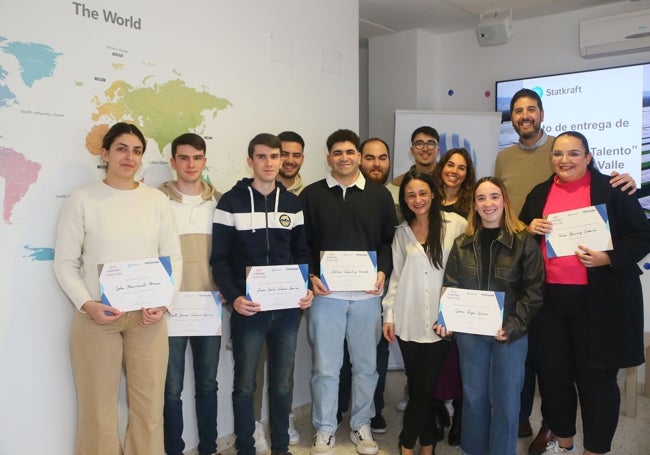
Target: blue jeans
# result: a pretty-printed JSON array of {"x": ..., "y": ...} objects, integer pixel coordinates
[
  {"x": 279, "y": 328},
  {"x": 345, "y": 384},
  {"x": 493, "y": 375},
  {"x": 205, "y": 353},
  {"x": 331, "y": 321}
]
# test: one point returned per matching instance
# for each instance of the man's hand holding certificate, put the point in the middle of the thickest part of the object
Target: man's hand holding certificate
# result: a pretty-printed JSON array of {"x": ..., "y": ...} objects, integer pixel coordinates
[
  {"x": 588, "y": 226},
  {"x": 277, "y": 287},
  {"x": 471, "y": 311},
  {"x": 133, "y": 285},
  {"x": 348, "y": 270}
]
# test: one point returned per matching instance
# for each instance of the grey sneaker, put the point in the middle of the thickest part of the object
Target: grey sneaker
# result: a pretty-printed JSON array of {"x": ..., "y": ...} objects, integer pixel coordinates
[
  {"x": 362, "y": 438},
  {"x": 553, "y": 448},
  {"x": 261, "y": 446},
  {"x": 294, "y": 436},
  {"x": 323, "y": 444}
]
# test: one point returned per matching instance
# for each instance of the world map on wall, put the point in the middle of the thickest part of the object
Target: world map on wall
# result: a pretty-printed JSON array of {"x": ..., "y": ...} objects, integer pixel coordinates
[
  {"x": 162, "y": 107},
  {"x": 36, "y": 61}
]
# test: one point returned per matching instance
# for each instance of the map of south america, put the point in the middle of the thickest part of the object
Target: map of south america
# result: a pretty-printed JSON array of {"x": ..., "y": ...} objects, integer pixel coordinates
[{"x": 19, "y": 174}]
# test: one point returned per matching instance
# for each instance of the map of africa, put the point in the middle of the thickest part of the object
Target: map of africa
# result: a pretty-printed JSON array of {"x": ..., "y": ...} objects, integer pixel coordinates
[{"x": 161, "y": 103}]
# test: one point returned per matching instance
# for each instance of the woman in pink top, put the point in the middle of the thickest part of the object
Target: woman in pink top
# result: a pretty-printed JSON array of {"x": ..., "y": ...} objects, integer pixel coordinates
[{"x": 587, "y": 294}]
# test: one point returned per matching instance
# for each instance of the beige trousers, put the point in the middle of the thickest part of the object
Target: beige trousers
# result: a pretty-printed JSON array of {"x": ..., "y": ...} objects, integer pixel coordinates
[{"x": 99, "y": 352}]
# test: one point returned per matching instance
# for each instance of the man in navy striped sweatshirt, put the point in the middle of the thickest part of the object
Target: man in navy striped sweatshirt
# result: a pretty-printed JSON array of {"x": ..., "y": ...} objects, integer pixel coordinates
[{"x": 259, "y": 223}]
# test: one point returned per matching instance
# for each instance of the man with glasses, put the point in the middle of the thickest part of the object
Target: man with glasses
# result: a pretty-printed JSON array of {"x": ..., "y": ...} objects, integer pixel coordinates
[{"x": 424, "y": 149}]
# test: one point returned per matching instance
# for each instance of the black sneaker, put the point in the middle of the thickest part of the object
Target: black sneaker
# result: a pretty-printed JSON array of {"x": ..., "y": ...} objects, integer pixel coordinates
[{"x": 378, "y": 424}]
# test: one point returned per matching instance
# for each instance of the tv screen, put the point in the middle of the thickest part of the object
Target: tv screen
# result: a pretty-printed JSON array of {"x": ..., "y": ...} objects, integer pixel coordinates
[{"x": 609, "y": 106}]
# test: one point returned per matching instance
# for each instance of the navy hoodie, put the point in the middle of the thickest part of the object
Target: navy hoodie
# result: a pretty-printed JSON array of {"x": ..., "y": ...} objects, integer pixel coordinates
[{"x": 251, "y": 229}]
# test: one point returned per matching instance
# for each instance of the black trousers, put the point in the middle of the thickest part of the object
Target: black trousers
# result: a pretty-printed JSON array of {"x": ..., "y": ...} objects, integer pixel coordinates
[
  {"x": 562, "y": 331},
  {"x": 423, "y": 364}
]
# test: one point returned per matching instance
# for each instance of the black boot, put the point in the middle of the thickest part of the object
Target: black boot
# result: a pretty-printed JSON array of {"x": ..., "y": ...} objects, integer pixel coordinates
[
  {"x": 440, "y": 420},
  {"x": 454, "y": 432}
]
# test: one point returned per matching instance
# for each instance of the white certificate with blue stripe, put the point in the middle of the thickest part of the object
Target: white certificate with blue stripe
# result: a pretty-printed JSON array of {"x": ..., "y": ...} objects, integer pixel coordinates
[
  {"x": 277, "y": 287},
  {"x": 141, "y": 283},
  {"x": 471, "y": 311},
  {"x": 588, "y": 226},
  {"x": 348, "y": 270}
]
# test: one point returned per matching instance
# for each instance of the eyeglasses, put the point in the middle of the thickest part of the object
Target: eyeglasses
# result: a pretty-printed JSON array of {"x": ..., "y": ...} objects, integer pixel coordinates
[
  {"x": 571, "y": 154},
  {"x": 420, "y": 145}
]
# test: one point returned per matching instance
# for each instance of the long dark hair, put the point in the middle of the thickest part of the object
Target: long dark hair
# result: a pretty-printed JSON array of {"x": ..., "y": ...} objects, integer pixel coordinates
[
  {"x": 433, "y": 244},
  {"x": 466, "y": 190}
]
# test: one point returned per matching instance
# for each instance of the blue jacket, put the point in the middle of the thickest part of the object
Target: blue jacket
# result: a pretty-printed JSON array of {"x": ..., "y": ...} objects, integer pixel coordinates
[{"x": 251, "y": 229}]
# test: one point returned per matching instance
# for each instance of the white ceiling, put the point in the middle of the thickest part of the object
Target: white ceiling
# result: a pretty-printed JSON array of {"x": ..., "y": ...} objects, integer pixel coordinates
[{"x": 380, "y": 17}]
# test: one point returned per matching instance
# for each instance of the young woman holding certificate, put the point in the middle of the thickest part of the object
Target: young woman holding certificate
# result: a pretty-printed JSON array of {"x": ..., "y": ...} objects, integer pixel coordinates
[
  {"x": 495, "y": 254},
  {"x": 420, "y": 247},
  {"x": 588, "y": 295},
  {"x": 114, "y": 220}
]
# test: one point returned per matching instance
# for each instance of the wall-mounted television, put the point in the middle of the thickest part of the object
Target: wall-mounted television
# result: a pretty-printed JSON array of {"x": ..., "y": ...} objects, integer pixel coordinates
[{"x": 610, "y": 106}]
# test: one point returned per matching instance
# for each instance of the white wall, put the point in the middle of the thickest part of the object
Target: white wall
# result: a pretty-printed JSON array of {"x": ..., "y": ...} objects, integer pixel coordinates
[
  {"x": 399, "y": 77},
  {"x": 287, "y": 64},
  {"x": 546, "y": 45}
]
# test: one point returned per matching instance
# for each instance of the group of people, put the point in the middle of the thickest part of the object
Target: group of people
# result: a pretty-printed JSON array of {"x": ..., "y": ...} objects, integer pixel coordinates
[{"x": 453, "y": 231}]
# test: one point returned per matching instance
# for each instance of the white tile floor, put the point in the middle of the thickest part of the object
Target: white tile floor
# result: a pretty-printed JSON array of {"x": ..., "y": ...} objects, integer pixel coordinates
[{"x": 632, "y": 436}]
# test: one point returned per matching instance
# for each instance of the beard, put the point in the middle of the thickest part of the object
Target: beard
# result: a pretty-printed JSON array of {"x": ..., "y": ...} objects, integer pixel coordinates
[
  {"x": 290, "y": 175},
  {"x": 378, "y": 178},
  {"x": 529, "y": 134}
]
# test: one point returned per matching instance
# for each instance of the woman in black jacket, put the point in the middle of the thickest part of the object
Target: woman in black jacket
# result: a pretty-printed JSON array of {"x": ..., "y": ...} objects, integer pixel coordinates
[
  {"x": 495, "y": 254},
  {"x": 587, "y": 294}
]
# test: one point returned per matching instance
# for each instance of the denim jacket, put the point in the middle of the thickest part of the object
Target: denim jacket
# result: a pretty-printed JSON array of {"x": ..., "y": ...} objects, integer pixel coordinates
[{"x": 516, "y": 268}]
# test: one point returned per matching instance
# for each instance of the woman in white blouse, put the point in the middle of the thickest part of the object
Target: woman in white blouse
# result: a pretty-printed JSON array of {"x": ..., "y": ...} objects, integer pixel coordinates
[{"x": 420, "y": 249}]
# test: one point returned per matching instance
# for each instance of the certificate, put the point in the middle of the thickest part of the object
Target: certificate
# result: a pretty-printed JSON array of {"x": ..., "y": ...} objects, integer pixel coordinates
[
  {"x": 195, "y": 314},
  {"x": 276, "y": 287},
  {"x": 471, "y": 311},
  {"x": 588, "y": 226},
  {"x": 132, "y": 285},
  {"x": 348, "y": 270}
]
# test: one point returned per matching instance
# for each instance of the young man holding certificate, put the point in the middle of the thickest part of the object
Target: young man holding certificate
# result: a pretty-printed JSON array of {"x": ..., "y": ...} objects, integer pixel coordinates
[
  {"x": 259, "y": 252},
  {"x": 350, "y": 223},
  {"x": 193, "y": 202}
]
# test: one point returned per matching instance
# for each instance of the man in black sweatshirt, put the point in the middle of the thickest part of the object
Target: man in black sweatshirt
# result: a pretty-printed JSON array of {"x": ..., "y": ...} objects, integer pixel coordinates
[{"x": 346, "y": 212}]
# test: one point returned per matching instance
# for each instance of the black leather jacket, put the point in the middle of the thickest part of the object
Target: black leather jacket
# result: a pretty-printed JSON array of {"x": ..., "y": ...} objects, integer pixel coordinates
[{"x": 516, "y": 267}]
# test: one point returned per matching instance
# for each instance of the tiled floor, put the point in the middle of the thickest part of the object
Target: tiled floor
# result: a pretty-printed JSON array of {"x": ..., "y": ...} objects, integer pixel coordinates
[{"x": 632, "y": 436}]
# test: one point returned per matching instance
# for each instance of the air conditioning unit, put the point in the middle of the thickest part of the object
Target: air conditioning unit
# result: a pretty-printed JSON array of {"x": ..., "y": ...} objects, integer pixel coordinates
[{"x": 621, "y": 33}]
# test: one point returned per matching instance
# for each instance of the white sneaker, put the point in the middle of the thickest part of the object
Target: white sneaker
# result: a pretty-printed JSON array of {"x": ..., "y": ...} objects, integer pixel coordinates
[
  {"x": 553, "y": 448},
  {"x": 401, "y": 404},
  {"x": 362, "y": 438},
  {"x": 323, "y": 444},
  {"x": 261, "y": 447},
  {"x": 294, "y": 436}
]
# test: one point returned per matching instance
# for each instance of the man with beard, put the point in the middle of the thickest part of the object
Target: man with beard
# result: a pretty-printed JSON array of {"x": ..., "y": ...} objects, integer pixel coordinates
[
  {"x": 375, "y": 165},
  {"x": 521, "y": 167},
  {"x": 292, "y": 158},
  {"x": 424, "y": 149}
]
